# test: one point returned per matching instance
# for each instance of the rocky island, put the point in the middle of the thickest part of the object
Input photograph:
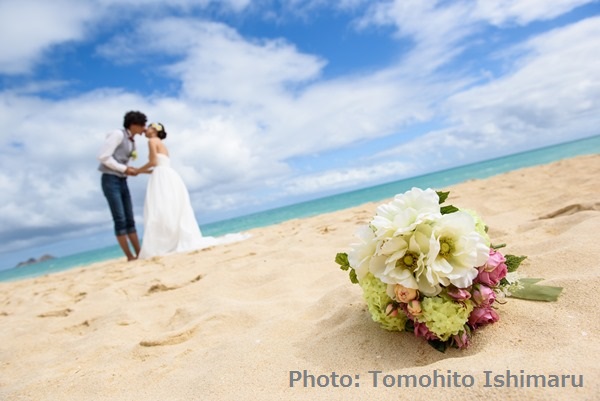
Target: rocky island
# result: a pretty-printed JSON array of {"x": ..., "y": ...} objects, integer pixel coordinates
[{"x": 31, "y": 261}]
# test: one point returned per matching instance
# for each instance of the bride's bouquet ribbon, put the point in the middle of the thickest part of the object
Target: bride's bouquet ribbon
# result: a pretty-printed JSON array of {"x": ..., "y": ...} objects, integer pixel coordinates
[{"x": 431, "y": 269}]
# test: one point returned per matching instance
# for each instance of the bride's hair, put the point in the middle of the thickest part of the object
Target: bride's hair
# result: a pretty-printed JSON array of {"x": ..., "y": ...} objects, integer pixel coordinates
[{"x": 160, "y": 130}]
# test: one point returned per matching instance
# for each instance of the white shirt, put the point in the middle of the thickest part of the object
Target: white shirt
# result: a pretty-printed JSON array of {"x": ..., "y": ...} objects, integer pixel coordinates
[{"x": 113, "y": 139}]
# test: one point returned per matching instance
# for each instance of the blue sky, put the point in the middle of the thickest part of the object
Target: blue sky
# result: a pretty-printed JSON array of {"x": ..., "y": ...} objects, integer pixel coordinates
[{"x": 273, "y": 102}]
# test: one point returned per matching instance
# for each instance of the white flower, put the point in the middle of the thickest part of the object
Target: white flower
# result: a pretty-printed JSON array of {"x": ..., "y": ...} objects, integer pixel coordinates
[
  {"x": 362, "y": 252},
  {"x": 405, "y": 212},
  {"x": 399, "y": 259},
  {"x": 409, "y": 242},
  {"x": 428, "y": 280},
  {"x": 456, "y": 249}
]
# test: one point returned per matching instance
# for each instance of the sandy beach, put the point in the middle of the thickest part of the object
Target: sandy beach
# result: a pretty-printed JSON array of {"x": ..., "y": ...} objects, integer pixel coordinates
[{"x": 232, "y": 321}]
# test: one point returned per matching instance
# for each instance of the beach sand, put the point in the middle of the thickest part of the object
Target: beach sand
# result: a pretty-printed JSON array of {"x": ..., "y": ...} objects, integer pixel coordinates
[{"x": 230, "y": 322}]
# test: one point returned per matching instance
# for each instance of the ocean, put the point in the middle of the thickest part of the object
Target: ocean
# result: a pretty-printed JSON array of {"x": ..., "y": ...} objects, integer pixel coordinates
[{"x": 332, "y": 203}]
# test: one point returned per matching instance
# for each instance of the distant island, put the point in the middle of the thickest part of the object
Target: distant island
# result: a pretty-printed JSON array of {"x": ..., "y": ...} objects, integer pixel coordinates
[{"x": 31, "y": 261}]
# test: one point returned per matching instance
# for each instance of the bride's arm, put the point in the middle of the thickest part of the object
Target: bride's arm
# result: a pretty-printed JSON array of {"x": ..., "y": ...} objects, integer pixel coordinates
[{"x": 147, "y": 168}]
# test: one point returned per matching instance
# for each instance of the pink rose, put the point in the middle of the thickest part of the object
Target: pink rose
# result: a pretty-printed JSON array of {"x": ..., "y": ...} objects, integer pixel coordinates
[
  {"x": 494, "y": 269},
  {"x": 462, "y": 340},
  {"x": 458, "y": 294},
  {"x": 483, "y": 295},
  {"x": 421, "y": 330},
  {"x": 481, "y": 316},
  {"x": 494, "y": 260},
  {"x": 404, "y": 294}
]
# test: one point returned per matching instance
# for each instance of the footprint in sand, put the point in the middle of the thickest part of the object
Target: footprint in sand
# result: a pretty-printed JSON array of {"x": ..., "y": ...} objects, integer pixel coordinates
[
  {"x": 79, "y": 296},
  {"x": 81, "y": 328},
  {"x": 240, "y": 257},
  {"x": 326, "y": 229},
  {"x": 170, "y": 339},
  {"x": 572, "y": 209},
  {"x": 159, "y": 288},
  {"x": 56, "y": 313},
  {"x": 196, "y": 252}
]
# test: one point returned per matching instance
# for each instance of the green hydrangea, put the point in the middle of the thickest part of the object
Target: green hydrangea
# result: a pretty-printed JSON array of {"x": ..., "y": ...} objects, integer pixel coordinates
[
  {"x": 444, "y": 317},
  {"x": 480, "y": 226},
  {"x": 374, "y": 293}
]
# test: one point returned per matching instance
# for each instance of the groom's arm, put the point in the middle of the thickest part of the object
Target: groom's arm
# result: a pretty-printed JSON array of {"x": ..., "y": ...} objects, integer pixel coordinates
[{"x": 113, "y": 139}]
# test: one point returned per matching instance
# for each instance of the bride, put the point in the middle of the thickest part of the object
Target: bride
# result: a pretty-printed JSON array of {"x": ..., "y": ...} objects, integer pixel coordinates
[{"x": 169, "y": 222}]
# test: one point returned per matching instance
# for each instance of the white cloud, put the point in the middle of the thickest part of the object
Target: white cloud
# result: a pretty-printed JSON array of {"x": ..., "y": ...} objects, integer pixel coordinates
[
  {"x": 29, "y": 28},
  {"x": 551, "y": 95},
  {"x": 251, "y": 70},
  {"x": 49, "y": 158},
  {"x": 434, "y": 29},
  {"x": 438, "y": 28},
  {"x": 556, "y": 84},
  {"x": 219, "y": 154},
  {"x": 274, "y": 94},
  {"x": 522, "y": 12},
  {"x": 345, "y": 178}
]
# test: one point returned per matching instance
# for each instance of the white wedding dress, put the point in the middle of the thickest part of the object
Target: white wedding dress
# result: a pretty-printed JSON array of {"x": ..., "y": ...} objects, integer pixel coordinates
[{"x": 169, "y": 222}]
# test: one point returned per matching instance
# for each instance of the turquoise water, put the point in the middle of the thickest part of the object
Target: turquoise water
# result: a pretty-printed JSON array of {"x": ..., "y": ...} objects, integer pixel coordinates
[{"x": 336, "y": 202}]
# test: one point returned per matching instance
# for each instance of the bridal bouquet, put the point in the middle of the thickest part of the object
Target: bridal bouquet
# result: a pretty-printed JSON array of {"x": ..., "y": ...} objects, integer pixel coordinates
[{"x": 431, "y": 269}]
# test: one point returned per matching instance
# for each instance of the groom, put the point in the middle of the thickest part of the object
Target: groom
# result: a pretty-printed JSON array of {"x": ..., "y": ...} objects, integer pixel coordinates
[{"x": 117, "y": 150}]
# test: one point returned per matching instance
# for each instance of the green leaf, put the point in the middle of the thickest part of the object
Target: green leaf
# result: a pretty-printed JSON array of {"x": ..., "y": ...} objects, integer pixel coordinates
[
  {"x": 497, "y": 246},
  {"x": 409, "y": 326},
  {"x": 342, "y": 260},
  {"x": 448, "y": 209},
  {"x": 513, "y": 262},
  {"x": 530, "y": 280},
  {"x": 532, "y": 291},
  {"x": 443, "y": 196},
  {"x": 353, "y": 277}
]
